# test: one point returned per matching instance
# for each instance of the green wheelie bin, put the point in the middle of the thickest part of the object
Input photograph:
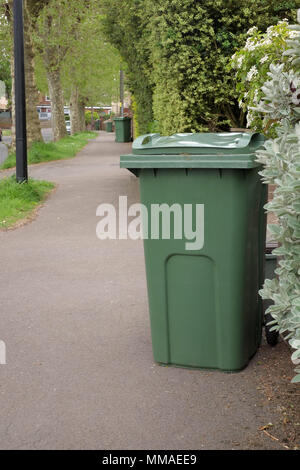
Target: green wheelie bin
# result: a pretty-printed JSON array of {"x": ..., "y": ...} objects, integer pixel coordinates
[
  {"x": 109, "y": 126},
  {"x": 123, "y": 129},
  {"x": 205, "y": 310}
]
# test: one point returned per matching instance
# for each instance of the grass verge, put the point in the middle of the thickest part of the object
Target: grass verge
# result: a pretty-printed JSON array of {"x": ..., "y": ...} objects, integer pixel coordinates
[
  {"x": 65, "y": 148},
  {"x": 18, "y": 201}
]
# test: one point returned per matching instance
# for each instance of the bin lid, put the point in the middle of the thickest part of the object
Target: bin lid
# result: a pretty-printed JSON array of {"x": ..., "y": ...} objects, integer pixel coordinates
[
  {"x": 201, "y": 143},
  {"x": 205, "y": 150},
  {"x": 124, "y": 118}
]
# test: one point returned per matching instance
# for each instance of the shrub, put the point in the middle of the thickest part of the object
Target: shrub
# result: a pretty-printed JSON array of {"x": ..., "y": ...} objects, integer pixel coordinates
[
  {"x": 191, "y": 44},
  {"x": 252, "y": 64},
  {"x": 281, "y": 160},
  {"x": 88, "y": 117},
  {"x": 177, "y": 54}
]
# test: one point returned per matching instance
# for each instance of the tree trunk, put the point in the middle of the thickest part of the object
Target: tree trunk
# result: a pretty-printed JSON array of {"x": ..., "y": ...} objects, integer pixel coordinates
[
  {"x": 92, "y": 118},
  {"x": 82, "y": 114},
  {"x": 76, "y": 124},
  {"x": 13, "y": 106},
  {"x": 57, "y": 103},
  {"x": 33, "y": 127},
  {"x": 34, "y": 133}
]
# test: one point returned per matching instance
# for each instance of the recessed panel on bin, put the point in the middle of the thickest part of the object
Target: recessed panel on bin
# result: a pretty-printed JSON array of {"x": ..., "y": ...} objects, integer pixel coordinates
[{"x": 191, "y": 311}]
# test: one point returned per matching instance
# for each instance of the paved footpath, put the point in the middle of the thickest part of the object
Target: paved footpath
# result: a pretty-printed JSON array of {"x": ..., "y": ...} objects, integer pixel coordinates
[{"x": 74, "y": 317}]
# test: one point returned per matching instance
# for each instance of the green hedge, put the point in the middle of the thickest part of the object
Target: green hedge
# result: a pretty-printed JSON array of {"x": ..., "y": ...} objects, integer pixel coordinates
[
  {"x": 191, "y": 44},
  {"x": 125, "y": 24},
  {"x": 177, "y": 54}
]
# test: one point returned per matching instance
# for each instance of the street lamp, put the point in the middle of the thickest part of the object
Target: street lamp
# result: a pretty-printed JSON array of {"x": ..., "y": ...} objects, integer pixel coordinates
[{"x": 20, "y": 101}]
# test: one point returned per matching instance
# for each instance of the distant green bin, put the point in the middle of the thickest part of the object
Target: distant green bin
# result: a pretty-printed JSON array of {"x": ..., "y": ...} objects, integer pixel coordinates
[
  {"x": 123, "y": 129},
  {"x": 109, "y": 126},
  {"x": 205, "y": 310}
]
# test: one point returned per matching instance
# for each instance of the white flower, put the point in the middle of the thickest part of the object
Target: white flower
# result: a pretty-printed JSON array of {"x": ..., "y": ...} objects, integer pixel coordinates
[
  {"x": 252, "y": 73},
  {"x": 239, "y": 61},
  {"x": 252, "y": 30},
  {"x": 271, "y": 32},
  {"x": 266, "y": 42},
  {"x": 249, "y": 118},
  {"x": 264, "y": 59},
  {"x": 250, "y": 45}
]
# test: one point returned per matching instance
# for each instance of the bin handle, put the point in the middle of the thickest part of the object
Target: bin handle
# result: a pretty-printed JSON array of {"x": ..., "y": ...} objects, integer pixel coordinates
[
  {"x": 143, "y": 140},
  {"x": 257, "y": 140}
]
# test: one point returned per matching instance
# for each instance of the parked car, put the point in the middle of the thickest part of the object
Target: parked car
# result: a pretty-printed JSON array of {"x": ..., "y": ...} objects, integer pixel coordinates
[{"x": 68, "y": 127}]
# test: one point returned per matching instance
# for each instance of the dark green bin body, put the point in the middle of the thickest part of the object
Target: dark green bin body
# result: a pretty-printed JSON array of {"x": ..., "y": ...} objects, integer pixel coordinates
[
  {"x": 205, "y": 309},
  {"x": 109, "y": 126},
  {"x": 123, "y": 129}
]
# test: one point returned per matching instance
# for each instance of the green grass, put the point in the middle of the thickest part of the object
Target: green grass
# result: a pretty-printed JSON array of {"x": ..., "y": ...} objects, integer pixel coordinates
[
  {"x": 6, "y": 132},
  {"x": 65, "y": 148},
  {"x": 19, "y": 200}
]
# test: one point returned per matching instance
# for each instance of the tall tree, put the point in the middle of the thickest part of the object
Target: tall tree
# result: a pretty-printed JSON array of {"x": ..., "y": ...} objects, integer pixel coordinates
[
  {"x": 52, "y": 38},
  {"x": 90, "y": 72},
  {"x": 33, "y": 124},
  {"x": 32, "y": 7}
]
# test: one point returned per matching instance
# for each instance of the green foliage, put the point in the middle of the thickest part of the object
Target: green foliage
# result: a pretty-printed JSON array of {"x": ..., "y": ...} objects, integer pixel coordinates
[
  {"x": 17, "y": 200},
  {"x": 177, "y": 54},
  {"x": 88, "y": 116},
  {"x": 5, "y": 50},
  {"x": 191, "y": 45},
  {"x": 71, "y": 41},
  {"x": 94, "y": 64},
  {"x": 125, "y": 24},
  {"x": 65, "y": 148},
  {"x": 281, "y": 159},
  {"x": 252, "y": 64}
]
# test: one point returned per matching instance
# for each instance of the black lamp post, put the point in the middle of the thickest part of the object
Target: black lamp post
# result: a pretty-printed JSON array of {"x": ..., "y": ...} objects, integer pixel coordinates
[{"x": 20, "y": 101}]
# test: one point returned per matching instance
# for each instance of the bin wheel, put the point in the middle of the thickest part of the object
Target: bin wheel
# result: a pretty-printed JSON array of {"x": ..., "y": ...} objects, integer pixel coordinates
[{"x": 271, "y": 336}]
